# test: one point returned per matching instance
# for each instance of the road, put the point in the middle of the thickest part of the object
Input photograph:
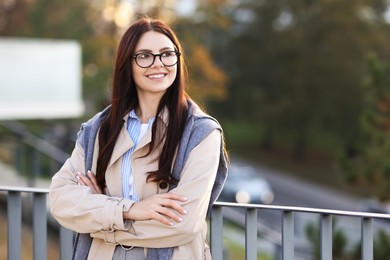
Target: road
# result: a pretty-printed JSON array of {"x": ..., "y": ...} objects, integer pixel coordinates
[{"x": 292, "y": 191}]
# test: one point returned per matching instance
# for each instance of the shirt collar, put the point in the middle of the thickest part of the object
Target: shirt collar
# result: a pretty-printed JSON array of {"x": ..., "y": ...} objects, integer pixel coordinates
[
  {"x": 162, "y": 116},
  {"x": 132, "y": 114}
]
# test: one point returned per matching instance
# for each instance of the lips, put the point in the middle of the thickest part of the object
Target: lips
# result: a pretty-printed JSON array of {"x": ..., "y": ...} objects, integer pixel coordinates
[{"x": 156, "y": 76}]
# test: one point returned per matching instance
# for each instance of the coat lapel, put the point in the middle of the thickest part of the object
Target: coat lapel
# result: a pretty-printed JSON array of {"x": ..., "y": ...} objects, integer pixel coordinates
[
  {"x": 114, "y": 170},
  {"x": 122, "y": 145}
]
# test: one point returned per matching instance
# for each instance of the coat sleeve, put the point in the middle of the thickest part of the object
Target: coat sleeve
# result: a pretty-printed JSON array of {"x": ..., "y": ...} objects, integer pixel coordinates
[
  {"x": 75, "y": 207},
  {"x": 196, "y": 182}
]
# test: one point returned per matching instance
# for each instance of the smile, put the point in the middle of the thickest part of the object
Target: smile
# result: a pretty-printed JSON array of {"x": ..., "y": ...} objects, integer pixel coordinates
[{"x": 156, "y": 76}]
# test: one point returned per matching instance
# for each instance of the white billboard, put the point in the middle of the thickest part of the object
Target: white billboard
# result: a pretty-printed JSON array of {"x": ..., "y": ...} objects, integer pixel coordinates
[{"x": 40, "y": 79}]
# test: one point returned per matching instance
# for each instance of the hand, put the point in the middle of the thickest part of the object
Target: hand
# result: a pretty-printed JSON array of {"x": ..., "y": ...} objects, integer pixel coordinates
[
  {"x": 90, "y": 181},
  {"x": 161, "y": 207}
]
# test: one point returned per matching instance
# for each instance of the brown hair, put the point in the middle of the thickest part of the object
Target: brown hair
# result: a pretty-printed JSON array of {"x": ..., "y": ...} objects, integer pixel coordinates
[{"x": 124, "y": 99}]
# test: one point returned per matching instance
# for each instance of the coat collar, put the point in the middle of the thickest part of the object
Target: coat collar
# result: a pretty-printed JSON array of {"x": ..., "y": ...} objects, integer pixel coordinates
[{"x": 124, "y": 141}]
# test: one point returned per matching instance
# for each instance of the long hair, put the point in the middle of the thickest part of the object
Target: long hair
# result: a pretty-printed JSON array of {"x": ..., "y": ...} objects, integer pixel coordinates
[{"x": 124, "y": 99}]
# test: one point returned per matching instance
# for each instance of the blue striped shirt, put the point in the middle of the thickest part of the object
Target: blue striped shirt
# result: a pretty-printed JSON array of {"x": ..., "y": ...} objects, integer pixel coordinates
[{"x": 134, "y": 129}]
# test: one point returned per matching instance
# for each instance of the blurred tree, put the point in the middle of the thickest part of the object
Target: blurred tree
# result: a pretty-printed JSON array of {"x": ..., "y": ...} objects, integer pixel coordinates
[
  {"x": 206, "y": 80},
  {"x": 370, "y": 161},
  {"x": 296, "y": 67},
  {"x": 73, "y": 19},
  {"x": 204, "y": 34},
  {"x": 98, "y": 26}
]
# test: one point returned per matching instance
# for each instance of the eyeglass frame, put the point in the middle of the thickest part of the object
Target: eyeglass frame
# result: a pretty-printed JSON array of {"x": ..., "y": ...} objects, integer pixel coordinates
[{"x": 154, "y": 58}]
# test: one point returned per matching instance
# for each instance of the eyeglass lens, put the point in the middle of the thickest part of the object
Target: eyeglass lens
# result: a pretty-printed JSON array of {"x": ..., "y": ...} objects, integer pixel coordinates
[{"x": 145, "y": 60}]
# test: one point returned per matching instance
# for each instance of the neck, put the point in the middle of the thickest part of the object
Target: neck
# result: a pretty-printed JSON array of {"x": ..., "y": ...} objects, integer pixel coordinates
[{"x": 147, "y": 108}]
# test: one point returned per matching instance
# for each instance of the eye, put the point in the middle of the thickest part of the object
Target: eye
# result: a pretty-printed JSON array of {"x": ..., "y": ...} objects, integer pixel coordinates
[
  {"x": 144, "y": 56},
  {"x": 168, "y": 54}
]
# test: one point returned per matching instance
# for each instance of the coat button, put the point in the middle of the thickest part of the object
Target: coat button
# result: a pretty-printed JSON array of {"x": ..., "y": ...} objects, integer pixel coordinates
[{"x": 163, "y": 185}]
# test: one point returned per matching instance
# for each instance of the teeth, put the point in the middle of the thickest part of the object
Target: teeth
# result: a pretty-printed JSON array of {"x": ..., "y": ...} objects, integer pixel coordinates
[{"x": 156, "y": 76}]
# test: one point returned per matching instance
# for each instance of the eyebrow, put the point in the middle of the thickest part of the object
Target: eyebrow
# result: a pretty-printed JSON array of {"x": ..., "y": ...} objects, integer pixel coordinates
[{"x": 161, "y": 50}]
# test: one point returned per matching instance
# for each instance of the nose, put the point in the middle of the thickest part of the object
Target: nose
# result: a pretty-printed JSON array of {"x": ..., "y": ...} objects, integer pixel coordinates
[{"x": 157, "y": 62}]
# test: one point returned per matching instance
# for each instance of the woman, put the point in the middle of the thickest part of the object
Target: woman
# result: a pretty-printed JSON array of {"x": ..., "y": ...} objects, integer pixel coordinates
[{"x": 153, "y": 162}]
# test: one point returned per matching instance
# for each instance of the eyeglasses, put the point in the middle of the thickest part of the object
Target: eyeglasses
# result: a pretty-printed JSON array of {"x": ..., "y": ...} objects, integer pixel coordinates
[{"x": 146, "y": 59}]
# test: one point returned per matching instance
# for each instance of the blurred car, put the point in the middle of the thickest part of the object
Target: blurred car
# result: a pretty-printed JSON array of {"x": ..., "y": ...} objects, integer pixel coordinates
[
  {"x": 375, "y": 206},
  {"x": 245, "y": 185}
]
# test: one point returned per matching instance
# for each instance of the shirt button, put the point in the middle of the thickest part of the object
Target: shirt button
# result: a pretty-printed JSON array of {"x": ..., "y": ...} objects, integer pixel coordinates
[{"x": 163, "y": 185}]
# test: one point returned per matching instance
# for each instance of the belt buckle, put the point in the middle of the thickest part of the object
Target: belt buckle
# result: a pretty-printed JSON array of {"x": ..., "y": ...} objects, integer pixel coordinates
[{"x": 126, "y": 248}]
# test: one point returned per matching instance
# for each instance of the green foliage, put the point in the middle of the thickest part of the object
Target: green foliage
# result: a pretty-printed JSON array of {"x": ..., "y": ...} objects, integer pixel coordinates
[
  {"x": 339, "y": 241},
  {"x": 241, "y": 133},
  {"x": 381, "y": 247},
  {"x": 370, "y": 163},
  {"x": 296, "y": 66}
]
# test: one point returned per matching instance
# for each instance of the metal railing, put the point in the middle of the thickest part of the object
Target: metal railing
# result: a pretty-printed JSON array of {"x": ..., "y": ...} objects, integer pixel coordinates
[
  {"x": 367, "y": 239},
  {"x": 41, "y": 217}
]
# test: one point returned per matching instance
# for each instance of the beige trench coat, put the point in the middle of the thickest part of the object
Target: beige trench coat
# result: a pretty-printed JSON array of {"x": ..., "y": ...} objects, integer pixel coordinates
[{"x": 76, "y": 208}]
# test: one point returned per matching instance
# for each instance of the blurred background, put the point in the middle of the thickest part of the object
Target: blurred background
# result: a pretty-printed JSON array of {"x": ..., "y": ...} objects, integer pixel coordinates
[{"x": 301, "y": 88}]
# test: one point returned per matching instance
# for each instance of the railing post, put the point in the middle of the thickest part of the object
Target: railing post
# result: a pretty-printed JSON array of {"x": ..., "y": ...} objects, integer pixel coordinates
[
  {"x": 367, "y": 239},
  {"x": 39, "y": 226},
  {"x": 216, "y": 232},
  {"x": 251, "y": 234},
  {"x": 14, "y": 216},
  {"x": 288, "y": 235},
  {"x": 326, "y": 237},
  {"x": 66, "y": 243}
]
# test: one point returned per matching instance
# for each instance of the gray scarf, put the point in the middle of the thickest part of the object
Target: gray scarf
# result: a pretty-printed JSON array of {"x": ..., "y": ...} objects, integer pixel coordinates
[{"x": 198, "y": 127}]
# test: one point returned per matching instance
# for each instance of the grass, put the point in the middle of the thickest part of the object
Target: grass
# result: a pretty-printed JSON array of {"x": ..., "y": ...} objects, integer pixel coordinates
[
  {"x": 237, "y": 252},
  {"x": 234, "y": 243}
]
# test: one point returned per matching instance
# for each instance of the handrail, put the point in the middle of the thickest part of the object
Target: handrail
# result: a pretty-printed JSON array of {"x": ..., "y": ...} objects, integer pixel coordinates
[
  {"x": 306, "y": 210},
  {"x": 24, "y": 189},
  {"x": 243, "y": 205}
]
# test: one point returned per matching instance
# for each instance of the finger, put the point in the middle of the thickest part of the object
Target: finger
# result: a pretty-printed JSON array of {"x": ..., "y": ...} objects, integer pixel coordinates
[
  {"x": 174, "y": 196},
  {"x": 170, "y": 214},
  {"x": 174, "y": 205},
  {"x": 142, "y": 210},
  {"x": 160, "y": 217},
  {"x": 80, "y": 180},
  {"x": 84, "y": 179},
  {"x": 94, "y": 181}
]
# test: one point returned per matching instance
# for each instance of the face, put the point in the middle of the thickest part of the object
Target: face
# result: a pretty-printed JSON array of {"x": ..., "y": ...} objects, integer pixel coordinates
[{"x": 156, "y": 79}]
